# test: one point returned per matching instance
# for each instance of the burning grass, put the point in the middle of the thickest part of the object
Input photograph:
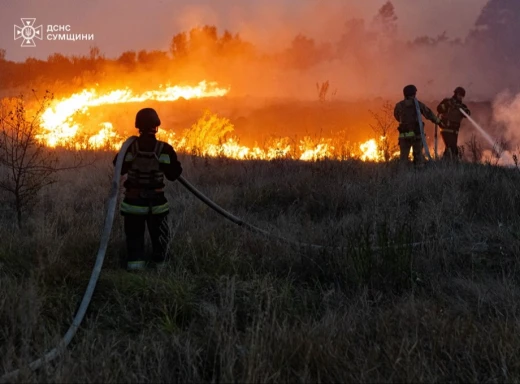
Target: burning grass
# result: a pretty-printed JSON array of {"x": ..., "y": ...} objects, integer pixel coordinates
[
  {"x": 236, "y": 307},
  {"x": 98, "y": 119}
]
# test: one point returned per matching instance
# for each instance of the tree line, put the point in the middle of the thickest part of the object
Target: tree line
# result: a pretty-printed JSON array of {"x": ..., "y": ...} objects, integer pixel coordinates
[{"x": 493, "y": 36}]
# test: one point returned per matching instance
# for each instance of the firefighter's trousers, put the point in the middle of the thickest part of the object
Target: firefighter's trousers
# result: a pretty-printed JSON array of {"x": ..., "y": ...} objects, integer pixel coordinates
[
  {"x": 450, "y": 142},
  {"x": 158, "y": 229},
  {"x": 414, "y": 143}
]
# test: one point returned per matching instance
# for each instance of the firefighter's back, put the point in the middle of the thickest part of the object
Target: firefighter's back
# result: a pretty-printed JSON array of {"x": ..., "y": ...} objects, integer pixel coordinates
[
  {"x": 406, "y": 114},
  {"x": 145, "y": 156}
]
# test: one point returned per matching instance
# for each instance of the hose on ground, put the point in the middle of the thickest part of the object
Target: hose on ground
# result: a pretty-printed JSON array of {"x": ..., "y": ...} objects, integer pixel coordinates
[
  {"x": 253, "y": 228},
  {"x": 235, "y": 219},
  {"x": 105, "y": 237}
]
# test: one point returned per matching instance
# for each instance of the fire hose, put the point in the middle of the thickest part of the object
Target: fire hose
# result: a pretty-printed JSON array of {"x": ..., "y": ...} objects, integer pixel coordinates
[
  {"x": 488, "y": 138},
  {"x": 421, "y": 127},
  {"x": 493, "y": 144},
  {"x": 253, "y": 228},
  {"x": 435, "y": 141},
  {"x": 105, "y": 237}
]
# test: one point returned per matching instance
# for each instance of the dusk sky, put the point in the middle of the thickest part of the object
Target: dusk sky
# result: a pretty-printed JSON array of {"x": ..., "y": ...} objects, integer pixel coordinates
[{"x": 120, "y": 25}]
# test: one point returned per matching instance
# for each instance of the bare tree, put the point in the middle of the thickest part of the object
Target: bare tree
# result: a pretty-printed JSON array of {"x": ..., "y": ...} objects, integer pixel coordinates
[
  {"x": 385, "y": 126},
  {"x": 323, "y": 90},
  {"x": 499, "y": 148},
  {"x": 26, "y": 164},
  {"x": 497, "y": 29},
  {"x": 475, "y": 149},
  {"x": 386, "y": 19},
  {"x": 95, "y": 53}
]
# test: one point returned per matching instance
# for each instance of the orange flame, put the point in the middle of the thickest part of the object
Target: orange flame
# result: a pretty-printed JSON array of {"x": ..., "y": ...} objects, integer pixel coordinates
[
  {"x": 208, "y": 137},
  {"x": 369, "y": 151},
  {"x": 57, "y": 120}
]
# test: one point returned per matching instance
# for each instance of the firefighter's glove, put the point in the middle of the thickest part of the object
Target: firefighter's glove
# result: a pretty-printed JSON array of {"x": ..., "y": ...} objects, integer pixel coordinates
[
  {"x": 441, "y": 124},
  {"x": 464, "y": 108}
]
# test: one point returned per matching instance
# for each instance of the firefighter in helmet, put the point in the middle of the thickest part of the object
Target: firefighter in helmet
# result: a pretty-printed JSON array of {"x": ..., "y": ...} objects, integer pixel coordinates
[
  {"x": 146, "y": 163},
  {"x": 409, "y": 130},
  {"x": 451, "y": 116}
]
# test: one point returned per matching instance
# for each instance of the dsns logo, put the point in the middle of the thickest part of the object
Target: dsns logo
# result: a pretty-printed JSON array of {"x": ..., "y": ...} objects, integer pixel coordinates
[{"x": 28, "y": 32}]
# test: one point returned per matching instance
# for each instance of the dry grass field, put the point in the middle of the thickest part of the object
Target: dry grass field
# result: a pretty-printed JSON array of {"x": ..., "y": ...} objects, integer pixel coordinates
[
  {"x": 286, "y": 120},
  {"x": 238, "y": 307}
]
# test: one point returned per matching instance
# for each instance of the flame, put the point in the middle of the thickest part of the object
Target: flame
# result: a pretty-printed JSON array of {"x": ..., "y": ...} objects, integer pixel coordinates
[
  {"x": 208, "y": 137},
  {"x": 57, "y": 120},
  {"x": 315, "y": 151},
  {"x": 278, "y": 149},
  {"x": 369, "y": 151},
  {"x": 105, "y": 135},
  {"x": 230, "y": 148}
]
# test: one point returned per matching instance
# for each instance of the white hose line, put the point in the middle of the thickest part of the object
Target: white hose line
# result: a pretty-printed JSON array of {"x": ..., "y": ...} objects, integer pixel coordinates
[
  {"x": 253, "y": 228},
  {"x": 421, "y": 127},
  {"x": 235, "y": 219},
  {"x": 52, "y": 354},
  {"x": 498, "y": 149},
  {"x": 435, "y": 153},
  {"x": 105, "y": 237}
]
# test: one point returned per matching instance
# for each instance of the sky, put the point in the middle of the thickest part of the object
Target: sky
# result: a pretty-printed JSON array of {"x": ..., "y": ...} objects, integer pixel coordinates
[{"x": 120, "y": 25}]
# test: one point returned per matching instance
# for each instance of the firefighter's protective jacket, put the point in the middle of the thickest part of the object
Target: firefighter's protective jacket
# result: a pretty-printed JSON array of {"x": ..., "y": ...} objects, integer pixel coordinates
[
  {"x": 450, "y": 113},
  {"x": 406, "y": 114},
  {"x": 147, "y": 161}
]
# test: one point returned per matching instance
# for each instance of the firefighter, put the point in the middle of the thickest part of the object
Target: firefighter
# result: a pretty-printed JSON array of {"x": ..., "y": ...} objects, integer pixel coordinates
[
  {"x": 146, "y": 163},
  {"x": 409, "y": 131},
  {"x": 451, "y": 116}
]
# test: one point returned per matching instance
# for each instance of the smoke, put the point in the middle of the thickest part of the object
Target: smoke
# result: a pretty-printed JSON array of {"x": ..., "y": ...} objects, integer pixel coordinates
[
  {"x": 363, "y": 50},
  {"x": 270, "y": 25},
  {"x": 501, "y": 126},
  {"x": 506, "y": 113},
  {"x": 366, "y": 51}
]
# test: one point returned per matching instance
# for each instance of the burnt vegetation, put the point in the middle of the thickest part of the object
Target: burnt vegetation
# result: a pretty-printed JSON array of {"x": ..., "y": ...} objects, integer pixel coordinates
[{"x": 236, "y": 307}]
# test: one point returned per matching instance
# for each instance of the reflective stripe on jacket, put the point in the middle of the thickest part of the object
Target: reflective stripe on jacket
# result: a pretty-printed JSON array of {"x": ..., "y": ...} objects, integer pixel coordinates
[{"x": 144, "y": 210}]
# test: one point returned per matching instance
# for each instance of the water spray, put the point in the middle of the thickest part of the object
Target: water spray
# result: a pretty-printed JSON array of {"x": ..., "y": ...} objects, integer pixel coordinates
[{"x": 489, "y": 139}]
